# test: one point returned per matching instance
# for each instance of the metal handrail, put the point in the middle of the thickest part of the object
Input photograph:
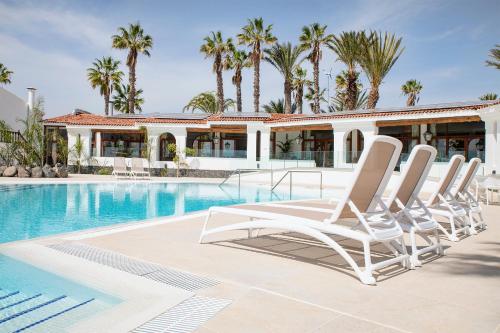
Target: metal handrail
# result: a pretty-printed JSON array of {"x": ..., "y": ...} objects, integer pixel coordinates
[
  {"x": 290, "y": 172},
  {"x": 239, "y": 175}
]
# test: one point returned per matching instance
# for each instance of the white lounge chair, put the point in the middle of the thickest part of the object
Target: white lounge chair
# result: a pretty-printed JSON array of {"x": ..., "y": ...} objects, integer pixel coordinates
[
  {"x": 120, "y": 167},
  {"x": 443, "y": 203},
  {"x": 467, "y": 199},
  {"x": 410, "y": 211},
  {"x": 361, "y": 204},
  {"x": 137, "y": 169}
]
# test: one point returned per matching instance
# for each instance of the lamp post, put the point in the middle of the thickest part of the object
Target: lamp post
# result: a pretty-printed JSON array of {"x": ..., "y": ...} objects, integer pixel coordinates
[{"x": 329, "y": 77}]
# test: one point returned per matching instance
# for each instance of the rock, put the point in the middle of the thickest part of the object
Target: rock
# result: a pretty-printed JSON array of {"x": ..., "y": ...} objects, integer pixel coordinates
[
  {"x": 48, "y": 172},
  {"x": 36, "y": 172},
  {"x": 2, "y": 169},
  {"x": 22, "y": 172},
  {"x": 10, "y": 171},
  {"x": 61, "y": 171}
]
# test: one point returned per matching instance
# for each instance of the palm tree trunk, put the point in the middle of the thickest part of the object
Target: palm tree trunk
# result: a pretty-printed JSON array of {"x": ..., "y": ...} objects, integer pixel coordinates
[
  {"x": 373, "y": 97},
  {"x": 298, "y": 99},
  {"x": 288, "y": 97},
  {"x": 238, "y": 93},
  {"x": 106, "y": 103},
  {"x": 131, "y": 93},
  {"x": 411, "y": 100},
  {"x": 220, "y": 84},
  {"x": 316, "y": 85},
  {"x": 256, "y": 77},
  {"x": 352, "y": 91}
]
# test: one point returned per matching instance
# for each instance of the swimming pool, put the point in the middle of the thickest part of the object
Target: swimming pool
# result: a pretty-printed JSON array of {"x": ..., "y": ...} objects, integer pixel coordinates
[
  {"x": 37, "y": 301},
  {"x": 29, "y": 211}
]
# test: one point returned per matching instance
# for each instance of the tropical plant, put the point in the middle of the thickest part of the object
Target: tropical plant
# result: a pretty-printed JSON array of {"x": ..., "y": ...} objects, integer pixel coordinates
[
  {"x": 285, "y": 58},
  {"x": 77, "y": 153},
  {"x": 495, "y": 57},
  {"x": 310, "y": 97},
  {"x": 120, "y": 99},
  {"x": 8, "y": 150},
  {"x": 380, "y": 53},
  {"x": 136, "y": 42},
  {"x": 5, "y": 75},
  {"x": 255, "y": 35},
  {"x": 278, "y": 106},
  {"x": 298, "y": 82},
  {"x": 412, "y": 89},
  {"x": 216, "y": 47},
  {"x": 348, "y": 47},
  {"x": 179, "y": 156},
  {"x": 30, "y": 149},
  {"x": 147, "y": 146},
  {"x": 106, "y": 75},
  {"x": 489, "y": 97},
  {"x": 340, "y": 100},
  {"x": 238, "y": 60},
  {"x": 207, "y": 102},
  {"x": 285, "y": 146},
  {"x": 312, "y": 39}
]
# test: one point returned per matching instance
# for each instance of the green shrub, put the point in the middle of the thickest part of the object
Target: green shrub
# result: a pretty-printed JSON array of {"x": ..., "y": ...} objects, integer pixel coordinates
[{"x": 104, "y": 172}]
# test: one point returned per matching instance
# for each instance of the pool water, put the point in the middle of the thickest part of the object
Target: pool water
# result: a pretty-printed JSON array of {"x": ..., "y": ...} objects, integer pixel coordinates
[
  {"x": 29, "y": 211},
  {"x": 38, "y": 301}
]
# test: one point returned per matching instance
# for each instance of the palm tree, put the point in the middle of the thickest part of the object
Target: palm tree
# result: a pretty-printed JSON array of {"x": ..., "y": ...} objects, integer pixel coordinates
[
  {"x": 255, "y": 35},
  {"x": 238, "y": 60},
  {"x": 489, "y": 97},
  {"x": 339, "y": 101},
  {"x": 120, "y": 99},
  {"x": 311, "y": 95},
  {"x": 5, "y": 75},
  {"x": 313, "y": 38},
  {"x": 285, "y": 58},
  {"x": 216, "y": 47},
  {"x": 207, "y": 102},
  {"x": 298, "y": 82},
  {"x": 135, "y": 41},
  {"x": 278, "y": 106},
  {"x": 379, "y": 54},
  {"x": 348, "y": 48},
  {"x": 495, "y": 55},
  {"x": 106, "y": 75},
  {"x": 412, "y": 89}
]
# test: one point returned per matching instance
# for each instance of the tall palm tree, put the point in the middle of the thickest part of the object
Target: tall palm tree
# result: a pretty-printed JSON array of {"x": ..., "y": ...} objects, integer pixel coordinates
[
  {"x": 489, "y": 97},
  {"x": 236, "y": 61},
  {"x": 5, "y": 75},
  {"x": 207, "y": 102},
  {"x": 348, "y": 48},
  {"x": 121, "y": 102},
  {"x": 298, "y": 82},
  {"x": 339, "y": 101},
  {"x": 106, "y": 75},
  {"x": 495, "y": 57},
  {"x": 255, "y": 35},
  {"x": 135, "y": 41},
  {"x": 412, "y": 89},
  {"x": 216, "y": 47},
  {"x": 277, "y": 106},
  {"x": 310, "y": 97},
  {"x": 313, "y": 38},
  {"x": 285, "y": 58},
  {"x": 380, "y": 53}
]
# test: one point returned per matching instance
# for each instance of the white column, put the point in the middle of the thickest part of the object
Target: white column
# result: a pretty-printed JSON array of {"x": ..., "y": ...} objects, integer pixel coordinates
[
  {"x": 265, "y": 147},
  {"x": 85, "y": 135},
  {"x": 154, "y": 141},
  {"x": 491, "y": 118},
  {"x": 252, "y": 146},
  {"x": 338, "y": 147},
  {"x": 98, "y": 152},
  {"x": 180, "y": 135}
]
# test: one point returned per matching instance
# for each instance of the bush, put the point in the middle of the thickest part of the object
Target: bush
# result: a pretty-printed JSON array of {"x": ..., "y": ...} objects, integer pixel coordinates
[
  {"x": 104, "y": 172},
  {"x": 164, "y": 172}
]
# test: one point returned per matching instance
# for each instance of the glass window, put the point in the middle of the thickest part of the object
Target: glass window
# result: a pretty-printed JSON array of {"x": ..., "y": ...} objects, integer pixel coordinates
[{"x": 121, "y": 144}]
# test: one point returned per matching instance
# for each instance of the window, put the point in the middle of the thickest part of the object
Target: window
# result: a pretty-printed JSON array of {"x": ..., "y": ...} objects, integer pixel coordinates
[
  {"x": 165, "y": 140},
  {"x": 120, "y": 144},
  {"x": 465, "y": 138}
]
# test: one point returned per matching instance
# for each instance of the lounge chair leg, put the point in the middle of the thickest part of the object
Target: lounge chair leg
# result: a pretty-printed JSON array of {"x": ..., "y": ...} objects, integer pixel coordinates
[
  {"x": 453, "y": 237},
  {"x": 366, "y": 275},
  {"x": 472, "y": 223},
  {"x": 414, "y": 262}
]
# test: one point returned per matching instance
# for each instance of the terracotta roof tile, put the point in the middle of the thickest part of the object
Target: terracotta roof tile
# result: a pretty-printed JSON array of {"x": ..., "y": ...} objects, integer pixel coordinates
[{"x": 90, "y": 119}]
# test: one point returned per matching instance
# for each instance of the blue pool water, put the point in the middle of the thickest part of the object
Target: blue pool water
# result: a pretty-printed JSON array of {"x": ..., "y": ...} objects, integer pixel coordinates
[
  {"x": 29, "y": 211},
  {"x": 37, "y": 301}
]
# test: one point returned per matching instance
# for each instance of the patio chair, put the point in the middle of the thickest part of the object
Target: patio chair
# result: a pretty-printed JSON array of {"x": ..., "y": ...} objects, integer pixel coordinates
[
  {"x": 362, "y": 205},
  {"x": 444, "y": 204},
  {"x": 120, "y": 167},
  {"x": 137, "y": 169},
  {"x": 467, "y": 199}
]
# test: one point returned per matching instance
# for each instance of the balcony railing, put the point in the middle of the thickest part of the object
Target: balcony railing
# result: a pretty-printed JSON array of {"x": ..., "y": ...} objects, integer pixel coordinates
[
  {"x": 10, "y": 136},
  {"x": 220, "y": 153}
]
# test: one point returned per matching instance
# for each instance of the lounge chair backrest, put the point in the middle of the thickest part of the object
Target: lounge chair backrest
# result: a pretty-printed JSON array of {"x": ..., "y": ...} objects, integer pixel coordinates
[
  {"x": 119, "y": 163},
  {"x": 372, "y": 173},
  {"x": 413, "y": 177},
  {"x": 448, "y": 178},
  {"x": 137, "y": 164},
  {"x": 469, "y": 175}
]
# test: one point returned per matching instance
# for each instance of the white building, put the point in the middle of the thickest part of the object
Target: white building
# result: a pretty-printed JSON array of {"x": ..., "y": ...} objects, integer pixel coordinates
[
  {"x": 13, "y": 108},
  {"x": 233, "y": 141}
]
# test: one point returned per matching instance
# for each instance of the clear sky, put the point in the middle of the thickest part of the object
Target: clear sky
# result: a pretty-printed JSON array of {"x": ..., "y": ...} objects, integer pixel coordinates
[{"x": 49, "y": 45}]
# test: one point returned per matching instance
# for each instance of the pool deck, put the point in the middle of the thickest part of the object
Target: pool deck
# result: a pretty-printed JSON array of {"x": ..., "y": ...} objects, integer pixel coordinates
[{"x": 286, "y": 283}]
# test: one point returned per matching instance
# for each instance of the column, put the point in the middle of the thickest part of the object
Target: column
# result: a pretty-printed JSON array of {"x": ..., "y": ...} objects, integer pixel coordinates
[
  {"x": 180, "y": 135},
  {"x": 252, "y": 147},
  {"x": 265, "y": 147},
  {"x": 491, "y": 118},
  {"x": 85, "y": 135},
  {"x": 338, "y": 147},
  {"x": 98, "y": 152}
]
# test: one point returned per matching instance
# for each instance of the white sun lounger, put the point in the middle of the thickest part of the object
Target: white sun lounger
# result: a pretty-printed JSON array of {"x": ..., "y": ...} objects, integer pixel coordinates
[
  {"x": 120, "y": 167},
  {"x": 467, "y": 199},
  {"x": 443, "y": 203},
  {"x": 137, "y": 169},
  {"x": 362, "y": 203},
  {"x": 410, "y": 211}
]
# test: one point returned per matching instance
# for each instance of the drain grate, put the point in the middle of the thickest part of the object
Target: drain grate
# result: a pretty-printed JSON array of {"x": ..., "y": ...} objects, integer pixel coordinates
[
  {"x": 118, "y": 261},
  {"x": 184, "y": 317}
]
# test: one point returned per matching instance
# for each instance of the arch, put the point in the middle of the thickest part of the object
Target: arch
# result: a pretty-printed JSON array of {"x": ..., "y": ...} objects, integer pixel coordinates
[
  {"x": 353, "y": 145},
  {"x": 165, "y": 140}
]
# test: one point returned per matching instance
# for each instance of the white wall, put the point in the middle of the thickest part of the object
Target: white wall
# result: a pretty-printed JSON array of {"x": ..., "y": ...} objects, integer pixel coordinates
[{"x": 12, "y": 108}]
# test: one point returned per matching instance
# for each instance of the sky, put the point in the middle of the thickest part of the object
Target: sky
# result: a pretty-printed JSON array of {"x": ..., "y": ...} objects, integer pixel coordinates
[{"x": 50, "y": 44}]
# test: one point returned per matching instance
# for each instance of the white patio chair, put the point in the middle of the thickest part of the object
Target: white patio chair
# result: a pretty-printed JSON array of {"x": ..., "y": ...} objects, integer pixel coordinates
[
  {"x": 120, "y": 168},
  {"x": 137, "y": 169},
  {"x": 362, "y": 206}
]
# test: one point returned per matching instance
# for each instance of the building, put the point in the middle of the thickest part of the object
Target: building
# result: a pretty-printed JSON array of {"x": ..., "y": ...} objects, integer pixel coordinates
[
  {"x": 14, "y": 108},
  {"x": 233, "y": 141}
]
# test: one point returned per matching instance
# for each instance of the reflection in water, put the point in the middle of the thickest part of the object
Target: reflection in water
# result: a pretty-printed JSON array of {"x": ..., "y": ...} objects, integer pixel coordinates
[{"x": 28, "y": 211}]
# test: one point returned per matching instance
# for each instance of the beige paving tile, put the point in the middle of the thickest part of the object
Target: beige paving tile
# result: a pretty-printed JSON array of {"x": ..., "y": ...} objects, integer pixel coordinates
[{"x": 345, "y": 324}]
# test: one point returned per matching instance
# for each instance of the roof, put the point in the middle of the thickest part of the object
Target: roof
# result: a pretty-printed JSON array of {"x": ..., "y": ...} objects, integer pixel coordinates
[{"x": 85, "y": 119}]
